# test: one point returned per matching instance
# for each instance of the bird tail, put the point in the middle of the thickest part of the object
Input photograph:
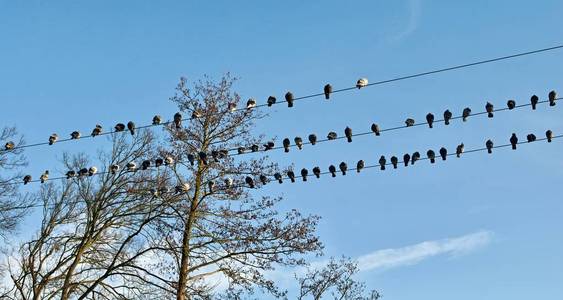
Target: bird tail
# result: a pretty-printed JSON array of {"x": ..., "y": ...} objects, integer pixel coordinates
[
  {"x": 343, "y": 172},
  {"x": 490, "y": 151},
  {"x": 286, "y": 150},
  {"x": 513, "y": 146},
  {"x": 447, "y": 122},
  {"x": 333, "y": 175},
  {"x": 490, "y": 115},
  {"x": 432, "y": 161},
  {"x": 349, "y": 140},
  {"x": 382, "y": 168}
]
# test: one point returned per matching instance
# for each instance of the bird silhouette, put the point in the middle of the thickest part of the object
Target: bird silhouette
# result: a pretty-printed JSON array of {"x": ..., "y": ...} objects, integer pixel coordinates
[
  {"x": 409, "y": 122},
  {"x": 332, "y": 135},
  {"x": 92, "y": 171},
  {"x": 348, "y": 133},
  {"x": 360, "y": 165},
  {"x": 158, "y": 162},
  {"x": 26, "y": 179},
  {"x": 97, "y": 130},
  {"x": 278, "y": 177},
  {"x": 156, "y": 120},
  {"x": 250, "y": 104},
  {"x": 178, "y": 120},
  {"x": 531, "y": 137},
  {"x": 534, "y": 101},
  {"x": 465, "y": 114},
  {"x": 249, "y": 181},
  {"x": 327, "y": 90},
  {"x": 312, "y": 139},
  {"x": 289, "y": 99},
  {"x": 362, "y": 82},
  {"x": 489, "y": 107},
  {"x": 444, "y": 153},
  {"x": 254, "y": 148},
  {"x": 549, "y": 135},
  {"x": 211, "y": 186},
  {"x": 241, "y": 150},
  {"x": 304, "y": 173},
  {"x": 145, "y": 164},
  {"x": 406, "y": 159},
  {"x": 191, "y": 159},
  {"x": 298, "y": 142},
  {"x": 447, "y": 116},
  {"x": 119, "y": 127},
  {"x": 269, "y": 146},
  {"x": 343, "y": 168},
  {"x": 459, "y": 150},
  {"x": 228, "y": 182},
  {"x": 196, "y": 114},
  {"x": 264, "y": 179},
  {"x": 332, "y": 170},
  {"x": 317, "y": 172},
  {"x": 9, "y": 146},
  {"x": 291, "y": 175},
  {"x": 511, "y": 104},
  {"x": 75, "y": 135},
  {"x": 53, "y": 138},
  {"x": 286, "y": 144},
  {"x": 203, "y": 158},
  {"x": 83, "y": 172},
  {"x": 394, "y": 161},
  {"x": 415, "y": 156},
  {"x": 552, "y": 97},
  {"x": 44, "y": 177},
  {"x": 514, "y": 141},
  {"x": 114, "y": 169},
  {"x": 131, "y": 166},
  {"x": 271, "y": 100},
  {"x": 375, "y": 129},
  {"x": 131, "y": 127},
  {"x": 430, "y": 119},
  {"x": 431, "y": 155},
  {"x": 70, "y": 174},
  {"x": 489, "y": 144},
  {"x": 232, "y": 106},
  {"x": 382, "y": 162}
]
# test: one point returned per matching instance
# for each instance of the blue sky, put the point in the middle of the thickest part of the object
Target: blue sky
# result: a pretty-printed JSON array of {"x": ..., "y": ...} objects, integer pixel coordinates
[{"x": 480, "y": 227}]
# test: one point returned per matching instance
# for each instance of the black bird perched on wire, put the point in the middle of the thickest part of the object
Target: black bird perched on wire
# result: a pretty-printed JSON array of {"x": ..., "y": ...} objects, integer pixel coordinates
[
  {"x": 119, "y": 127},
  {"x": 534, "y": 101},
  {"x": 9, "y": 146},
  {"x": 269, "y": 146},
  {"x": 286, "y": 144},
  {"x": 332, "y": 170},
  {"x": 459, "y": 150},
  {"x": 332, "y": 135},
  {"x": 489, "y": 107},
  {"x": 44, "y": 177},
  {"x": 514, "y": 141},
  {"x": 312, "y": 139},
  {"x": 131, "y": 127},
  {"x": 552, "y": 97},
  {"x": 447, "y": 116},
  {"x": 156, "y": 120},
  {"x": 250, "y": 104},
  {"x": 360, "y": 165},
  {"x": 289, "y": 99},
  {"x": 431, "y": 155},
  {"x": 75, "y": 135},
  {"x": 406, "y": 159},
  {"x": 83, "y": 172},
  {"x": 145, "y": 164},
  {"x": 465, "y": 114},
  {"x": 114, "y": 169},
  {"x": 178, "y": 120},
  {"x": 317, "y": 172},
  {"x": 131, "y": 166},
  {"x": 394, "y": 161},
  {"x": 327, "y": 90},
  {"x": 158, "y": 162},
  {"x": 443, "y": 153},
  {"x": 415, "y": 156},
  {"x": 298, "y": 142},
  {"x": 92, "y": 171},
  {"x": 375, "y": 129},
  {"x": 511, "y": 104},
  {"x": 26, "y": 179},
  {"x": 53, "y": 138},
  {"x": 278, "y": 177},
  {"x": 271, "y": 100},
  {"x": 203, "y": 157},
  {"x": 249, "y": 181},
  {"x": 409, "y": 122},
  {"x": 263, "y": 179},
  {"x": 362, "y": 82},
  {"x": 382, "y": 162},
  {"x": 348, "y": 133},
  {"x": 549, "y": 135},
  {"x": 240, "y": 150},
  {"x": 531, "y": 137},
  {"x": 70, "y": 174},
  {"x": 489, "y": 144},
  {"x": 191, "y": 159},
  {"x": 291, "y": 175},
  {"x": 304, "y": 173},
  {"x": 97, "y": 130},
  {"x": 430, "y": 119},
  {"x": 343, "y": 168},
  {"x": 254, "y": 148}
]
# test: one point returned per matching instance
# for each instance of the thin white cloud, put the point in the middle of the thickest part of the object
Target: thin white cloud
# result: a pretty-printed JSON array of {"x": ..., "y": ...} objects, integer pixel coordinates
[{"x": 412, "y": 23}]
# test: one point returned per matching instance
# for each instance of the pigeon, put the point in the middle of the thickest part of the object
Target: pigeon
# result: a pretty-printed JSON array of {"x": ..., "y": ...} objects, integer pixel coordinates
[
  {"x": 271, "y": 100},
  {"x": 191, "y": 159},
  {"x": 394, "y": 161},
  {"x": 332, "y": 170},
  {"x": 447, "y": 116},
  {"x": 415, "y": 156},
  {"x": 70, "y": 174},
  {"x": 9, "y": 146},
  {"x": 178, "y": 120},
  {"x": 362, "y": 82},
  {"x": 232, "y": 106},
  {"x": 430, "y": 119},
  {"x": 317, "y": 172},
  {"x": 250, "y": 104},
  {"x": 249, "y": 181},
  {"x": 119, "y": 127},
  {"x": 511, "y": 104},
  {"x": 409, "y": 122},
  {"x": 375, "y": 129},
  {"x": 289, "y": 99},
  {"x": 240, "y": 150},
  {"x": 131, "y": 167},
  {"x": 549, "y": 135},
  {"x": 531, "y": 137},
  {"x": 465, "y": 114},
  {"x": 443, "y": 153},
  {"x": 254, "y": 148},
  {"x": 552, "y": 97},
  {"x": 348, "y": 133},
  {"x": 203, "y": 158},
  {"x": 332, "y": 135},
  {"x": 44, "y": 177},
  {"x": 489, "y": 108},
  {"x": 75, "y": 135},
  {"x": 514, "y": 141},
  {"x": 382, "y": 162},
  {"x": 196, "y": 114},
  {"x": 269, "y": 146},
  {"x": 327, "y": 90},
  {"x": 158, "y": 162},
  {"x": 489, "y": 144},
  {"x": 97, "y": 130},
  {"x": 26, "y": 179},
  {"x": 214, "y": 155},
  {"x": 406, "y": 159},
  {"x": 312, "y": 139},
  {"x": 264, "y": 179},
  {"x": 278, "y": 177},
  {"x": 53, "y": 138},
  {"x": 145, "y": 164},
  {"x": 114, "y": 169},
  {"x": 459, "y": 150},
  {"x": 291, "y": 175},
  {"x": 156, "y": 120},
  {"x": 534, "y": 101},
  {"x": 228, "y": 183},
  {"x": 304, "y": 173},
  {"x": 286, "y": 144},
  {"x": 131, "y": 127},
  {"x": 299, "y": 142},
  {"x": 92, "y": 171},
  {"x": 360, "y": 165},
  {"x": 343, "y": 168},
  {"x": 83, "y": 172},
  {"x": 431, "y": 155}
]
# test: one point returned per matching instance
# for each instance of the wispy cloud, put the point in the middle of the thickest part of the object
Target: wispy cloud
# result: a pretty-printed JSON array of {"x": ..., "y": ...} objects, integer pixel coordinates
[{"x": 412, "y": 23}]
